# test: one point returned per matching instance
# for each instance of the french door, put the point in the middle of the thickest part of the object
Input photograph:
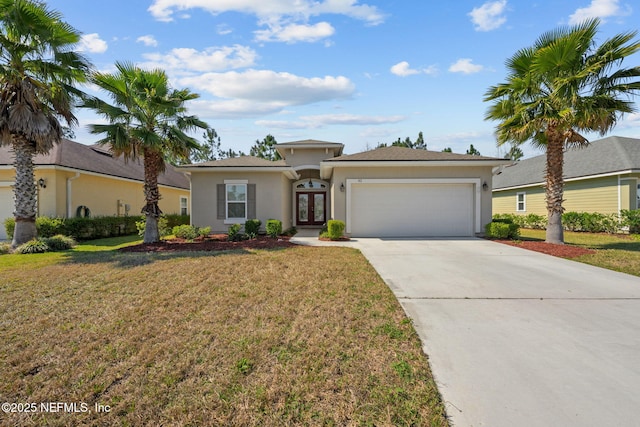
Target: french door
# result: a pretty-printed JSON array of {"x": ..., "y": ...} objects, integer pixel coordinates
[{"x": 311, "y": 208}]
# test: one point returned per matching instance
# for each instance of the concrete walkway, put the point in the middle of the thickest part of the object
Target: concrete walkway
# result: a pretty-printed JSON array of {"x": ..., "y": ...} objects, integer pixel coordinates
[{"x": 518, "y": 338}]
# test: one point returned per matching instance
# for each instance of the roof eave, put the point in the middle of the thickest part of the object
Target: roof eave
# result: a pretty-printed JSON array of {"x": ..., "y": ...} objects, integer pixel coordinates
[{"x": 283, "y": 169}]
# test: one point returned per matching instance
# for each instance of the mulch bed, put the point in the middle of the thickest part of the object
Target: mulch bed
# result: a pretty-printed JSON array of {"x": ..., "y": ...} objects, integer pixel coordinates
[
  {"x": 215, "y": 242},
  {"x": 562, "y": 251}
]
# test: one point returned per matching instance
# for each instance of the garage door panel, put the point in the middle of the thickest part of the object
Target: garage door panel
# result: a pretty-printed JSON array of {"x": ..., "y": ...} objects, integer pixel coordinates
[{"x": 411, "y": 210}]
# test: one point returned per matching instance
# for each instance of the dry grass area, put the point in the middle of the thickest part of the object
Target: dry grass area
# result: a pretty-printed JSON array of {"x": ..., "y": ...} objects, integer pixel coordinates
[
  {"x": 300, "y": 336},
  {"x": 618, "y": 252}
]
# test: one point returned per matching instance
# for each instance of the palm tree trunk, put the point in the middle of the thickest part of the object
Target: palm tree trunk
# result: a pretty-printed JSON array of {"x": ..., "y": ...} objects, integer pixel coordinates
[
  {"x": 24, "y": 193},
  {"x": 152, "y": 162},
  {"x": 555, "y": 186}
]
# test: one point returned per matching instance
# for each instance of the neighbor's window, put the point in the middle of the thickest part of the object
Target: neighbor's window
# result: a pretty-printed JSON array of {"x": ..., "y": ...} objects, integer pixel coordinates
[
  {"x": 236, "y": 201},
  {"x": 521, "y": 204},
  {"x": 184, "y": 206}
]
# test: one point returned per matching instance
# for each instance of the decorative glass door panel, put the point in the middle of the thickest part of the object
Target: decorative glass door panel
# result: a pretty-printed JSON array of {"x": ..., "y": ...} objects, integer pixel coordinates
[
  {"x": 303, "y": 208},
  {"x": 318, "y": 208},
  {"x": 311, "y": 208}
]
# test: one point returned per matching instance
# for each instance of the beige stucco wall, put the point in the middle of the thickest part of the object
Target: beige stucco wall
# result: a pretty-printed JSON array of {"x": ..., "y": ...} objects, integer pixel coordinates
[
  {"x": 273, "y": 197},
  {"x": 99, "y": 193},
  {"x": 307, "y": 156},
  {"x": 341, "y": 174},
  {"x": 590, "y": 195}
]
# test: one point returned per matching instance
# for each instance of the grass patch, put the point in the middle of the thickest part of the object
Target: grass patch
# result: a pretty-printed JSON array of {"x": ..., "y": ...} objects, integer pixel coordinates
[
  {"x": 259, "y": 338},
  {"x": 614, "y": 252}
]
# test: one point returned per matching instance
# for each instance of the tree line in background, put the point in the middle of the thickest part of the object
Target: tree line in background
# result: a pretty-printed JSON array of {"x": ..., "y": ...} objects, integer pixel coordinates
[{"x": 563, "y": 85}]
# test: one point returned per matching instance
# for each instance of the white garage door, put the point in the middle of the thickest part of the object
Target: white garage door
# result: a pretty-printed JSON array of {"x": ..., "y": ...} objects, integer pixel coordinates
[
  {"x": 412, "y": 210},
  {"x": 6, "y": 208}
]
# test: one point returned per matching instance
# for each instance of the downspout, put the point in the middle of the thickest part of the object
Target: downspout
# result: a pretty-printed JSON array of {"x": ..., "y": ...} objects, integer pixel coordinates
[{"x": 69, "y": 204}]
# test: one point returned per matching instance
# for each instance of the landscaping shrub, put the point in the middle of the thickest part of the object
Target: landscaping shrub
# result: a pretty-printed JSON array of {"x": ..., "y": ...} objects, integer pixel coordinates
[
  {"x": 291, "y": 231},
  {"x": 591, "y": 222},
  {"x": 252, "y": 227},
  {"x": 537, "y": 222},
  {"x": 203, "y": 231},
  {"x": 274, "y": 228},
  {"x": 335, "y": 228},
  {"x": 5, "y": 248},
  {"x": 33, "y": 246},
  {"x": 502, "y": 230},
  {"x": 59, "y": 242},
  {"x": 48, "y": 227},
  {"x": 233, "y": 234},
  {"x": 631, "y": 219},
  {"x": 175, "y": 219},
  {"x": 9, "y": 226},
  {"x": 188, "y": 232}
]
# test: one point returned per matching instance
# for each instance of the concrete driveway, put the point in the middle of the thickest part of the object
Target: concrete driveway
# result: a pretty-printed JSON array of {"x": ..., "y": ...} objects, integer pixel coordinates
[{"x": 518, "y": 338}]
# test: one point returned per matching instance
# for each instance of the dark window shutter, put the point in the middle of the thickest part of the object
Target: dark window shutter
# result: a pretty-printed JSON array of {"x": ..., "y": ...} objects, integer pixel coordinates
[
  {"x": 221, "y": 189},
  {"x": 251, "y": 201}
]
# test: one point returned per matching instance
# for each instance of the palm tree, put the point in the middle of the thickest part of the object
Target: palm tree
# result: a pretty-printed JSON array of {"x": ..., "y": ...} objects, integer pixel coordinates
[
  {"x": 37, "y": 70},
  {"x": 147, "y": 119},
  {"x": 563, "y": 86}
]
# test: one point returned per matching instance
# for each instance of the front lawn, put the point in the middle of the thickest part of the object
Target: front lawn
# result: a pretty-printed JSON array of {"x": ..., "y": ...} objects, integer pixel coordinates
[
  {"x": 300, "y": 336},
  {"x": 615, "y": 252}
]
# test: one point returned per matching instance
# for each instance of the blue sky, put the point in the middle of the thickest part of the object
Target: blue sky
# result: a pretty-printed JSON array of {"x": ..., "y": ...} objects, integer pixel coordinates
[{"x": 357, "y": 72}]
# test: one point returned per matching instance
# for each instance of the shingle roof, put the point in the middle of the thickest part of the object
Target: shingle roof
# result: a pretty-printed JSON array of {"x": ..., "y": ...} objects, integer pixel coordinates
[
  {"x": 97, "y": 159},
  {"x": 607, "y": 155},
  {"x": 240, "y": 162},
  {"x": 405, "y": 154}
]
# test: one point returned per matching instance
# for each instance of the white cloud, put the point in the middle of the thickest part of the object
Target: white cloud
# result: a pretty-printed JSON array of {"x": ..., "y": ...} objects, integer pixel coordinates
[
  {"x": 163, "y": 10},
  {"x": 489, "y": 16},
  {"x": 147, "y": 40},
  {"x": 403, "y": 69},
  {"x": 224, "y": 29},
  {"x": 182, "y": 60},
  {"x": 322, "y": 120},
  {"x": 465, "y": 66},
  {"x": 92, "y": 43},
  {"x": 294, "y": 33},
  {"x": 272, "y": 87},
  {"x": 597, "y": 9}
]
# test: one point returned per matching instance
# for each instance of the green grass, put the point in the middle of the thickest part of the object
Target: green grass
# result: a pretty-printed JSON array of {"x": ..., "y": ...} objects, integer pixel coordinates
[
  {"x": 614, "y": 252},
  {"x": 50, "y": 258},
  {"x": 298, "y": 336}
]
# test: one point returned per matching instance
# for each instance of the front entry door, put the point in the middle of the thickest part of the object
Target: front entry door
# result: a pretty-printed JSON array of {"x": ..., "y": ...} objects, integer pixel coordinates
[{"x": 310, "y": 208}]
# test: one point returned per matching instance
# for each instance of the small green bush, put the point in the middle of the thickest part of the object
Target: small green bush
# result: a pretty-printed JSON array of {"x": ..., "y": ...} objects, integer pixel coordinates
[
  {"x": 233, "y": 234},
  {"x": 631, "y": 219},
  {"x": 9, "y": 226},
  {"x": 204, "y": 231},
  {"x": 537, "y": 222},
  {"x": 252, "y": 227},
  {"x": 501, "y": 230},
  {"x": 33, "y": 246},
  {"x": 291, "y": 231},
  {"x": 60, "y": 242},
  {"x": 48, "y": 227},
  {"x": 187, "y": 232},
  {"x": 5, "y": 248},
  {"x": 335, "y": 228},
  {"x": 274, "y": 228}
]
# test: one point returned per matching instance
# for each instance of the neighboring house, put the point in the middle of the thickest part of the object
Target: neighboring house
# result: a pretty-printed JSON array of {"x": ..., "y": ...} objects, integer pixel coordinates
[
  {"x": 602, "y": 177},
  {"x": 76, "y": 180},
  {"x": 388, "y": 192}
]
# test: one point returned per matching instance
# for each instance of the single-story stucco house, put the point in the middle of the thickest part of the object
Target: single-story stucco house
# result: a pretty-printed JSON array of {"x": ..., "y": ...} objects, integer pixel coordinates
[
  {"x": 76, "y": 179},
  {"x": 603, "y": 177},
  {"x": 387, "y": 192}
]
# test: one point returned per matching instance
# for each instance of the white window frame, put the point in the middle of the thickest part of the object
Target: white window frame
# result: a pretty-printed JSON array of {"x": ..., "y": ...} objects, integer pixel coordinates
[
  {"x": 186, "y": 205},
  {"x": 523, "y": 202},
  {"x": 227, "y": 183}
]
